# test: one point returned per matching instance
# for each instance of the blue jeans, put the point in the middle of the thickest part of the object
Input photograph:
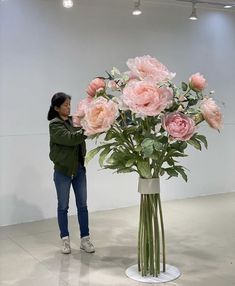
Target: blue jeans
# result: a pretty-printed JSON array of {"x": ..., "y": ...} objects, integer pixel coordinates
[{"x": 63, "y": 184}]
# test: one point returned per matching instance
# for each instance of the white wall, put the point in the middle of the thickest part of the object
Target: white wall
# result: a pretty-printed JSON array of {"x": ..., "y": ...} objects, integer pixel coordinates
[{"x": 45, "y": 48}]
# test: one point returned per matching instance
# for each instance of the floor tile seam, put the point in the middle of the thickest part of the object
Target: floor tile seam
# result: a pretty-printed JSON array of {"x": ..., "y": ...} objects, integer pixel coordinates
[
  {"x": 199, "y": 196},
  {"x": 28, "y": 252},
  {"x": 32, "y": 234},
  {"x": 38, "y": 260}
]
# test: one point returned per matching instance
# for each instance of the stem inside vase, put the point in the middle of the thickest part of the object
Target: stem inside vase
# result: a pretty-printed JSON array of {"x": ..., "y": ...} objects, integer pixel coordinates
[{"x": 151, "y": 238}]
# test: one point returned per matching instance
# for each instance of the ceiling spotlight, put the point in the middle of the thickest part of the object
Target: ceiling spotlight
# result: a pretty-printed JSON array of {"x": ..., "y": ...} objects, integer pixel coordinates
[
  {"x": 67, "y": 3},
  {"x": 137, "y": 10},
  {"x": 228, "y": 6},
  {"x": 193, "y": 15}
]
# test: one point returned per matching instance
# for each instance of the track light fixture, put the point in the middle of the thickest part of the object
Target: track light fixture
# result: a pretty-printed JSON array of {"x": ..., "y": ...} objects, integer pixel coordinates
[
  {"x": 212, "y": 3},
  {"x": 193, "y": 15},
  {"x": 136, "y": 10},
  {"x": 67, "y": 3}
]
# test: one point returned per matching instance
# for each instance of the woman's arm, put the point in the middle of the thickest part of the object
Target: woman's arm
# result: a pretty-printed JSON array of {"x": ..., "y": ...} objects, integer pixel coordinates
[{"x": 59, "y": 134}]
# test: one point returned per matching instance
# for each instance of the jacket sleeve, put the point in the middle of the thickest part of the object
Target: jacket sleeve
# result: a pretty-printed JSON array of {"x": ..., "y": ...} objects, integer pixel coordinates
[{"x": 59, "y": 134}]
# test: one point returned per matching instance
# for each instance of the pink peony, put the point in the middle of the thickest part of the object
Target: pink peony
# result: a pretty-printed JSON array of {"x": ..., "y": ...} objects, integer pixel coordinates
[
  {"x": 99, "y": 116},
  {"x": 80, "y": 112},
  {"x": 95, "y": 85},
  {"x": 130, "y": 74},
  {"x": 179, "y": 126},
  {"x": 211, "y": 113},
  {"x": 83, "y": 105},
  {"x": 197, "y": 82},
  {"x": 150, "y": 69},
  {"x": 145, "y": 98},
  {"x": 76, "y": 121}
]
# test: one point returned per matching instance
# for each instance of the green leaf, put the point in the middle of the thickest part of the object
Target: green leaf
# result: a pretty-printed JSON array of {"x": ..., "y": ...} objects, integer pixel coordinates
[
  {"x": 103, "y": 155},
  {"x": 170, "y": 161},
  {"x": 138, "y": 148},
  {"x": 184, "y": 86},
  {"x": 163, "y": 140},
  {"x": 130, "y": 162},
  {"x": 147, "y": 147},
  {"x": 171, "y": 172},
  {"x": 115, "y": 71},
  {"x": 91, "y": 154},
  {"x": 180, "y": 170},
  {"x": 155, "y": 155},
  {"x": 129, "y": 130},
  {"x": 192, "y": 101},
  {"x": 126, "y": 170},
  {"x": 162, "y": 171},
  {"x": 202, "y": 138},
  {"x": 109, "y": 166},
  {"x": 195, "y": 143},
  {"x": 157, "y": 145},
  {"x": 179, "y": 146},
  {"x": 144, "y": 169},
  {"x": 109, "y": 75},
  {"x": 110, "y": 135},
  {"x": 116, "y": 158},
  {"x": 179, "y": 154},
  {"x": 183, "y": 146}
]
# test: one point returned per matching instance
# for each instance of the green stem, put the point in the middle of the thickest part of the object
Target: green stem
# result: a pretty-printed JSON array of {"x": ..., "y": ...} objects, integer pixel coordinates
[
  {"x": 157, "y": 237},
  {"x": 140, "y": 234},
  {"x": 145, "y": 240},
  {"x": 163, "y": 236},
  {"x": 150, "y": 235},
  {"x": 123, "y": 118},
  {"x": 125, "y": 140},
  {"x": 187, "y": 91},
  {"x": 161, "y": 159},
  {"x": 154, "y": 234},
  {"x": 153, "y": 231}
]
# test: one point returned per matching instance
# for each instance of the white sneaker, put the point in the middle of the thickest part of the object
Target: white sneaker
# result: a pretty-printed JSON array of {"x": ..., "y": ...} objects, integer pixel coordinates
[
  {"x": 66, "y": 249},
  {"x": 86, "y": 244}
]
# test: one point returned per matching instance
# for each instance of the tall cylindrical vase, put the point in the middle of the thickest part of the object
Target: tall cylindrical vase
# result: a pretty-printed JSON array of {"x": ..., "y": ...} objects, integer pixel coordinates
[{"x": 151, "y": 238}]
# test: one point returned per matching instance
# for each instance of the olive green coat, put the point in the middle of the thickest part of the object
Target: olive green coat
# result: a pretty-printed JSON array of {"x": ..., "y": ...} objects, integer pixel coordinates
[{"x": 67, "y": 146}]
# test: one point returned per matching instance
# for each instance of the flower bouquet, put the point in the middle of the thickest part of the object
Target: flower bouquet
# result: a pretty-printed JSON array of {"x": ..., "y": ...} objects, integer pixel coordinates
[{"x": 147, "y": 124}]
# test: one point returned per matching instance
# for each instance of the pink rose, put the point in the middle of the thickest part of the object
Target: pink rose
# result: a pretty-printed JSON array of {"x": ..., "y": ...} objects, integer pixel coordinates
[
  {"x": 197, "y": 82},
  {"x": 95, "y": 85},
  {"x": 150, "y": 69},
  {"x": 99, "y": 116},
  {"x": 211, "y": 113},
  {"x": 179, "y": 126},
  {"x": 145, "y": 98}
]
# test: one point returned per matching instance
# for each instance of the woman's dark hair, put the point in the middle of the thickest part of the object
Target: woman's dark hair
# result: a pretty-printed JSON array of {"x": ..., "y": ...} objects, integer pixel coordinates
[{"x": 57, "y": 100}]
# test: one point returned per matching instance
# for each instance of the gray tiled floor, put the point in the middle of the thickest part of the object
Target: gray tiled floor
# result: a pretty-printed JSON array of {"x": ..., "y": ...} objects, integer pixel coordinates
[{"x": 200, "y": 236}]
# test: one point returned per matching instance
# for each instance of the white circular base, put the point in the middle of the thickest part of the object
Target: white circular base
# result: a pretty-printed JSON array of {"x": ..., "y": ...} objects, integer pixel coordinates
[{"x": 170, "y": 274}]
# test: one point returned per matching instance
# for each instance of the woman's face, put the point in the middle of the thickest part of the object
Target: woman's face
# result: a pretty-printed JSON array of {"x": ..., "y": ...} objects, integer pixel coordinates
[{"x": 64, "y": 109}]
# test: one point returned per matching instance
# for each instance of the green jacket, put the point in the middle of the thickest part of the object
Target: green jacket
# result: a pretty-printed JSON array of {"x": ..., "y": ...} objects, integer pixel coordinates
[{"x": 67, "y": 146}]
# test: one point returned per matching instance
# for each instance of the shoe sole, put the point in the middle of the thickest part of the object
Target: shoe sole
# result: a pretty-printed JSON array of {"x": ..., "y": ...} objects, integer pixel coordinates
[
  {"x": 65, "y": 252},
  {"x": 87, "y": 251}
]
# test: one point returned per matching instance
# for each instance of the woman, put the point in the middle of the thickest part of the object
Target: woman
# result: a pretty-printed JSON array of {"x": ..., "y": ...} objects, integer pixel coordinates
[{"x": 67, "y": 152}]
